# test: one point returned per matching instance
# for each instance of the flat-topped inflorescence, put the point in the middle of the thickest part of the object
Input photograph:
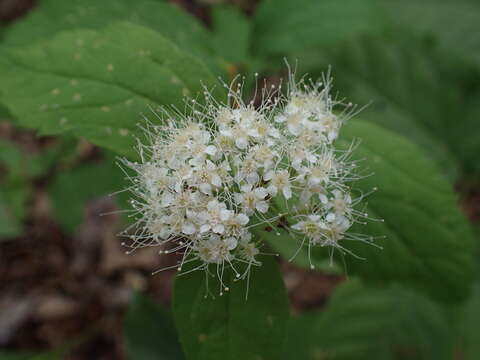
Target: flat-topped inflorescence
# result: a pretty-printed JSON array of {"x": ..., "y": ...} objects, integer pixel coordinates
[{"x": 210, "y": 180}]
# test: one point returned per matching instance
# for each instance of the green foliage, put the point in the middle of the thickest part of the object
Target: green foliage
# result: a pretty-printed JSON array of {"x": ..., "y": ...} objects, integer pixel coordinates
[
  {"x": 15, "y": 191},
  {"x": 4, "y": 114},
  {"x": 231, "y": 34},
  {"x": 149, "y": 332},
  {"x": 229, "y": 326},
  {"x": 429, "y": 18},
  {"x": 413, "y": 101},
  {"x": 363, "y": 322},
  {"x": 96, "y": 83},
  {"x": 160, "y": 16},
  {"x": 13, "y": 202},
  {"x": 469, "y": 321},
  {"x": 80, "y": 185},
  {"x": 283, "y": 242},
  {"x": 285, "y": 27},
  {"x": 428, "y": 244}
]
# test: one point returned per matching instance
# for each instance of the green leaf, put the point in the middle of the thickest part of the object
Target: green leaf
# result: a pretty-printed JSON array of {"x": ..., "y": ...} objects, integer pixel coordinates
[
  {"x": 428, "y": 17},
  {"x": 231, "y": 34},
  {"x": 149, "y": 332},
  {"x": 14, "y": 191},
  {"x": 71, "y": 190},
  {"x": 163, "y": 17},
  {"x": 13, "y": 209},
  {"x": 470, "y": 326},
  {"x": 284, "y": 26},
  {"x": 21, "y": 168},
  {"x": 96, "y": 84},
  {"x": 4, "y": 113},
  {"x": 415, "y": 90},
  {"x": 368, "y": 323},
  {"x": 282, "y": 242},
  {"x": 230, "y": 326},
  {"x": 12, "y": 159},
  {"x": 428, "y": 244}
]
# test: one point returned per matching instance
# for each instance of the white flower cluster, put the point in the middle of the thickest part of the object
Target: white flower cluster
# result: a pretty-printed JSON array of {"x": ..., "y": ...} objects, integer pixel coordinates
[{"x": 209, "y": 180}]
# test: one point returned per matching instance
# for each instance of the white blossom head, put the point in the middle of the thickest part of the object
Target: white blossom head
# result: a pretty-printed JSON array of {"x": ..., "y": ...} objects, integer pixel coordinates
[{"x": 209, "y": 181}]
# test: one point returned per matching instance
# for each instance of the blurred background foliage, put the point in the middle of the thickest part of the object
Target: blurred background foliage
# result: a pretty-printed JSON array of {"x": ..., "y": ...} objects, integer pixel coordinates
[{"x": 76, "y": 77}]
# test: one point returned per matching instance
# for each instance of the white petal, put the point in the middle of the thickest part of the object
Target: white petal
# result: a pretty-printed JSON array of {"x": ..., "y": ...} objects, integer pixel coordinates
[
  {"x": 212, "y": 204},
  {"x": 298, "y": 226},
  {"x": 272, "y": 190},
  {"x": 167, "y": 199},
  {"x": 219, "y": 228},
  {"x": 197, "y": 161},
  {"x": 191, "y": 214},
  {"x": 238, "y": 198},
  {"x": 262, "y": 206},
  {"x": 211, "y": 150},
  {"x": 227, "y": 133},
  {"x": 206, "y": 189},
  {"x": 225, "y": 214},
  {"x": 252, "y": 178},
  {"x": 260, "y": 193},
  {"x": 203, "y": 217},
  {"x": 205, "y": 228},
  {"x": 241, "y": 142},
  {"x": 330, "y": 217},
  {"x": 294, "y": 130},
  {"x": 231, "y": 243},
  {"x": 178, "y": 186},
  {"x": 243, "y": 219},
  {"x": 216, "y": 180},
  {"x": 188, "y": 228},
  {"x": 165, "y": 232},
  {"x": 287, "y": 192},
  {"x": 311, "y": 157},
  {"x": 246, "y": 188},
  {"x": 348, "y": 199},
  {"x": 253, "y": 132},
  {"x": 269, "y": 175},
  {"x": 274, "y": 133},
  {"x": 323, "y": 198}
]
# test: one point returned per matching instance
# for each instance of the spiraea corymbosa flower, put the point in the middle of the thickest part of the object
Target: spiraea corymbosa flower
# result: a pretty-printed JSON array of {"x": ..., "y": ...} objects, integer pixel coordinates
[{"x": 210, "y": 180}]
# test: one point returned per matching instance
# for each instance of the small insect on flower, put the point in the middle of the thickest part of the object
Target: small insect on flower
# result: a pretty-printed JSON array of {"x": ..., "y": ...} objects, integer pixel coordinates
[{"x": 210, "y": 180}]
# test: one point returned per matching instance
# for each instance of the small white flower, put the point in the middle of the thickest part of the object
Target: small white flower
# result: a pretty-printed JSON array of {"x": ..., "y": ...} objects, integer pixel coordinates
[
  {"x": 167, "y": 199},
  {"x": 231, "y": 243},
  {"x": 252, "y": 199},
  {"x": 247, "y": 170},
  {"x": 214, "y": 250},
  {"x": 248, "y": 251},
  {"x": 235, "y": 224},
  {"x": 264, "y": 156},
  {"x": 155, "y": 178},
  {"x": 279, "y": 181},
  {"x": 312, "y": 227},
  {"x": 215, "y": 216},
  {"x": 340, "y": 204},
  {"x": 335, "y": 230},
  {"x": 206, "y": 177}
]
